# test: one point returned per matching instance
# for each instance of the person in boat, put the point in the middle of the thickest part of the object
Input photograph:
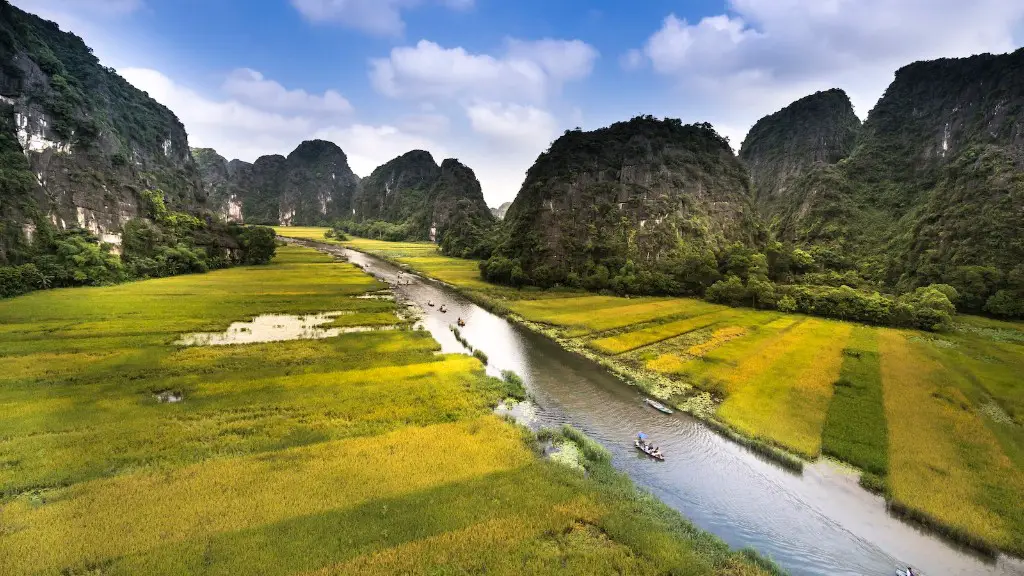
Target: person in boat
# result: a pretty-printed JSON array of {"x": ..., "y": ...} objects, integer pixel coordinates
[{"x": 910, "y": 571}]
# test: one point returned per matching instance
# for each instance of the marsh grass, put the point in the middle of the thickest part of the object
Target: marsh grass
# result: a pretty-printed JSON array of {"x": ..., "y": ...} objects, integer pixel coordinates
[
  {"x": 947, "y": 468},
  {"x": 360, "y": 453},
  {"x": 855, "y": 427},
  {"x": 480, "y": 355},
  {"x": 949, "y": 432},
  {"x": 631, "y": 340}
]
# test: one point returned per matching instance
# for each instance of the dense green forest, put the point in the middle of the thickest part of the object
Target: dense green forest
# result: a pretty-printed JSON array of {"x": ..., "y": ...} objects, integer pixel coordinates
[{"x": 162, "y": 242}]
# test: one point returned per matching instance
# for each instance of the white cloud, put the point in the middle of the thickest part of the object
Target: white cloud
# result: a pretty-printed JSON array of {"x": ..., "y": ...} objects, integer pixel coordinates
[
  {"x": 766, "y": 53},
  {"x": 426, "y": 124},
  {"x": 250, "y": 86},
  {"x": 383, "y": 17},
  {"x": 529, "y": 71},
  {"x": 513, "y": 125},
  {"x": 562, "y": 59},
  {"x": 239, "y": 130}
]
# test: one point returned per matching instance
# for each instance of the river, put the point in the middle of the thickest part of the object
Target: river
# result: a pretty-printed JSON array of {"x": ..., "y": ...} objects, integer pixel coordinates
[{"x": 819, "y": 522}]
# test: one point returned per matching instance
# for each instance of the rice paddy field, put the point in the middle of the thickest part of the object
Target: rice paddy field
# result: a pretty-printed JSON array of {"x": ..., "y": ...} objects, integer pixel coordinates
[
  {"x": 936, "y": 421},
  {"x": 122, "y": 452}
]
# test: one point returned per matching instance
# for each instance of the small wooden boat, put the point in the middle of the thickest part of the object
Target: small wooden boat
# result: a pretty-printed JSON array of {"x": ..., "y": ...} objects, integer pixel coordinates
[
  {"x": 649, "y": 450},
  {"x": 658, "y": 406},
  {"x": 429, "y": 303},
  {"x": 442, "y": 309},
  {"x": 461, "y": 322}
]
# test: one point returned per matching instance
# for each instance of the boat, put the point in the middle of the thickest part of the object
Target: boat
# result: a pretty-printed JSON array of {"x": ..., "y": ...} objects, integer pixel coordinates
[
  {"x": 442, "y": 309},
  {"x": 643, "y": 445},
  {"x": 429, "y": 303},
  {"x": 903, "y": 572},
  {"x": 658, "y": 406},
  {"x": 461, "y": 322}
]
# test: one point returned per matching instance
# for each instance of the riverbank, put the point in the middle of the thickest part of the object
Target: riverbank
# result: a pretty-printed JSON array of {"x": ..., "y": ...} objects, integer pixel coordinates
[
  {"x": 320, "y": 449},
  {"x": 811, "y": 387}
]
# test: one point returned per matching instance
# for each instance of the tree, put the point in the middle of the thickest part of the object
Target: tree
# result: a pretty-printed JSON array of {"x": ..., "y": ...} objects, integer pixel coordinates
[{"x": 258, "y": 244}]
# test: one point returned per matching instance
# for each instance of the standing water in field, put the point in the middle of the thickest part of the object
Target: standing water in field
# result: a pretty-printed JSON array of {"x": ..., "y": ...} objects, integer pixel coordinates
[
  {"x": 820, "y": 522},
  {"x": 276, "y": 328}
]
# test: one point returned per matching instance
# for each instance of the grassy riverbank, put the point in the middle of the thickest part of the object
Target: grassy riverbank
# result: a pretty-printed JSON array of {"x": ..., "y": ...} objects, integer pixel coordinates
[
  {"x": 937, "y": 420},
  {"x": 362, "y": 453}
]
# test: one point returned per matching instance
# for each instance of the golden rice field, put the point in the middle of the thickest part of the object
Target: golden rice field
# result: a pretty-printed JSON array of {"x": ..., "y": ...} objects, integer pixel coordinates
[
  {"x": 363, "y": 453},
  {"x": 938, "y": 418}
]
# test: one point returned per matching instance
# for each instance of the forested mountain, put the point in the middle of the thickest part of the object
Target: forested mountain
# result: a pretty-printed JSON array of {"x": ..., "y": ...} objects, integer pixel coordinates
[
  {"x": 933, "y": 191},
  {"x": 929, "y": 191},
  {"x": 642, "y": 195},
  {"x": 397, "y": 190},
  {"x": 412, "y": 198},
  {"x": 77, "y": 142},
  {"x": 313, "y": 185},
  {"x": 814, "y": 131},
  {"x": 97, "y": 183},
  {"x": 501, "y": 210}
]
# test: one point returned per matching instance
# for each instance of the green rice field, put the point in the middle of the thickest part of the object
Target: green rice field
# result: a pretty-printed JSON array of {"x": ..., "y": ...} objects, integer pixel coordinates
[
  {"x": 122, "y": 452},
  {"x": 937, "y": 420}
]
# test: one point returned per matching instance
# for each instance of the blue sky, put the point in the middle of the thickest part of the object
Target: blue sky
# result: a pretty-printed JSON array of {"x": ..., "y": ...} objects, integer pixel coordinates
[{"x": 492, "y": 82}]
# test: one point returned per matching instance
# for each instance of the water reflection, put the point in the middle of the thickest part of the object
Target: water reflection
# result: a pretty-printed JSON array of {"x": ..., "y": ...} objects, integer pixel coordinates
[
  {"x": 276, "y": 328},
  {"x": 819, "y": 522}
]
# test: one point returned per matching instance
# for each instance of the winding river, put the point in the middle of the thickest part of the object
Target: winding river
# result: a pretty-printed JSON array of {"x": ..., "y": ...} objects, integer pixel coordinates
[{"x": 819, "y": 522}]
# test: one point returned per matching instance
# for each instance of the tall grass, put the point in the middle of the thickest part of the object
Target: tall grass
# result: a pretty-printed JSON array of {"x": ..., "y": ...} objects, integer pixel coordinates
[
  {"x": 631, "y": 340},
  {"x": 362, "y": 453},
  {"x": 592, "y": 451},
  {"x": 855, "y": 428},
  {"x": 945, "y": 465}
]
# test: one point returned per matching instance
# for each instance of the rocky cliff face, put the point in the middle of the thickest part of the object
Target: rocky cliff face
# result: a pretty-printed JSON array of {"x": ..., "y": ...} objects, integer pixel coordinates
[
  {"x": 88, "y": 141},
  {"x": 413, "y": 190},
  {"x": 819, "y": 129},
  {"x": 627, "y": 193},
  {"x": 221, "y": 196},
  {"x": 319, "y": 185},
  {"x": 313, "y": 185},
  {"x": 501, "y": 210},
  {"x": 397, "y": 190},
  {"x": 932, "y": 192},
  {"x": 456, "y": 190}
]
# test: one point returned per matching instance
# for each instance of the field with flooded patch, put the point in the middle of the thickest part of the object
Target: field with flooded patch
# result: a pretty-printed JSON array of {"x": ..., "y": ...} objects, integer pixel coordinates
[
  {"x": 936, "y": 420},
  {"x": 295, "y": 444}
]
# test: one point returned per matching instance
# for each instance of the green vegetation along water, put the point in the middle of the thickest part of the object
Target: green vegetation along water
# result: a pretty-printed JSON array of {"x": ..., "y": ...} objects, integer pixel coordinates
[
  {"x": 935, "y": 419},
  {"x": 122, "y": 452}
]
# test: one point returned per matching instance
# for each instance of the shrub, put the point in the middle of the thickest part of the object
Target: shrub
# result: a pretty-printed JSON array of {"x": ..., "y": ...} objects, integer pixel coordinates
[
  {"x": 257, "y": 244},
  {"x": 730, "y": 291},
  {"x": 592, "y": 451},
  {"x": 15, "y": 280},
  {"x": 480, "y": 355}
]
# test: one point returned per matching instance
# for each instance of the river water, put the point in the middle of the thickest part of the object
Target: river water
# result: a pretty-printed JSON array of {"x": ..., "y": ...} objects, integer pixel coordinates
[{"x": 819, "y": 522}]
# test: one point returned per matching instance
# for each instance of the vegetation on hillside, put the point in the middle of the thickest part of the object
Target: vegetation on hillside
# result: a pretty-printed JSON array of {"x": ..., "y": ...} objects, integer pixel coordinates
[
  {"x": 162, "y": 243},
  {"x": 640, "y": 205},
  {"x": 932, "y": 191},
  {"x": 412, "y": 198},
  {"x": 819, "y": 129}
]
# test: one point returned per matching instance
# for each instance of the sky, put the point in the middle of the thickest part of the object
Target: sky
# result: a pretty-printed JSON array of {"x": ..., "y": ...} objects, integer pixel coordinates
[{"x": 494, "y": 82}]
